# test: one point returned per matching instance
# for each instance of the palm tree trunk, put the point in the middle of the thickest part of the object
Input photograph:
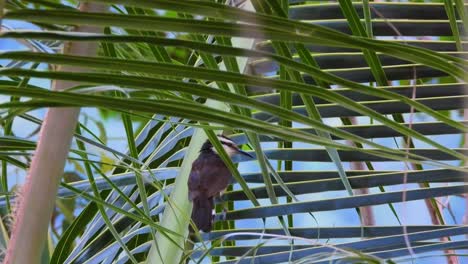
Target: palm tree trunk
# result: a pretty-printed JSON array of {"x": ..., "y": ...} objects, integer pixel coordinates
[
  {"x": 367, "y": 215},
  {"x": 37, "y": 198}
]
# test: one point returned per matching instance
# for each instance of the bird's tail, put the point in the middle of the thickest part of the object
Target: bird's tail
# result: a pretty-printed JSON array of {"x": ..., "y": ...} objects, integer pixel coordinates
[{"x": 202, "y": 213}]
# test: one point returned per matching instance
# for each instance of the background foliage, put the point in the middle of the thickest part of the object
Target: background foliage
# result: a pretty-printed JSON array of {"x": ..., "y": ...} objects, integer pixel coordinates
[{"x": 354, "y": 111}]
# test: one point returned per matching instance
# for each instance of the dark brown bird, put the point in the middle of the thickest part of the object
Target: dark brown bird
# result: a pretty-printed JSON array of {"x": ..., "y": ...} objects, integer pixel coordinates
[{"x": 209, "y": 177}]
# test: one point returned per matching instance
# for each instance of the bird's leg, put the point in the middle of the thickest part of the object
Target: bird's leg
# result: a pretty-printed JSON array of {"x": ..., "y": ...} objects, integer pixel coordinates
[
  {"x": 224, "y": 213},
  {"x": 223, "y": 202}
]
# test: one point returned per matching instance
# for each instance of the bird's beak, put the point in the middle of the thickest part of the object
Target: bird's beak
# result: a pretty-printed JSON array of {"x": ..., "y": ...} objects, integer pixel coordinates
[{"x": 245, "y": 153}]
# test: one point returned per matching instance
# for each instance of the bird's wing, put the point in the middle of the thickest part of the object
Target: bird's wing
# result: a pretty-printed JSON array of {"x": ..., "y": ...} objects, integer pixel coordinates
[
  {"x": 208, "y": 178},
  {"x": 195, "y": 179}
]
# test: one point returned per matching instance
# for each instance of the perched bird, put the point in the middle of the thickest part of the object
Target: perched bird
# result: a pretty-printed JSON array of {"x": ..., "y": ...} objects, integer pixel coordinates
[{"x": 209, "y": 177}]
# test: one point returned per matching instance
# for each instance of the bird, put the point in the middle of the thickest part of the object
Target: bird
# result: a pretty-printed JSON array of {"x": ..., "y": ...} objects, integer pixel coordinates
[{"x": 208, "y": 178}]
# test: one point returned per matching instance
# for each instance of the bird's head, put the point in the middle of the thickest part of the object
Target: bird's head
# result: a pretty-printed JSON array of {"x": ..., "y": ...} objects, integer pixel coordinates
[{"x": 229, "y": 146}]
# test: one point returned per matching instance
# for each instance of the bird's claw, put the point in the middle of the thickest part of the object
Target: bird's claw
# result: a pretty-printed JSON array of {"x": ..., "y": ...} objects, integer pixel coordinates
[{"x": 224, "y": 215}]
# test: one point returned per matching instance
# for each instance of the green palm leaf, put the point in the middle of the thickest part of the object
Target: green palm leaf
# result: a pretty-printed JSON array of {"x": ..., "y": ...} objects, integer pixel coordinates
[{"x": 282, "y": 77}]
